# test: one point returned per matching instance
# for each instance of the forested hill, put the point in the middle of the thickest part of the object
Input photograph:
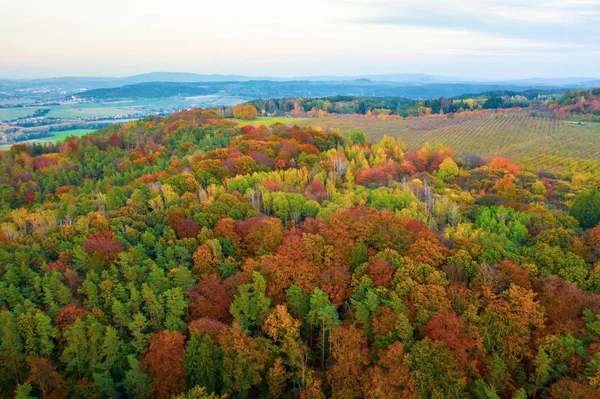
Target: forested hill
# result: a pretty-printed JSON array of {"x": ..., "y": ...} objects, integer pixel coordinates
[
  {"x": 189, "y": 256},
  {"x": 274, "y": 89},
  {"x": 559, "y": 102}
]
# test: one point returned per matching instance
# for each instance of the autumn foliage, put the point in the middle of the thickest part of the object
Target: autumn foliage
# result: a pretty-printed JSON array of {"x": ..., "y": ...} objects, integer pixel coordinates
[{"x": 186, "y": 256}]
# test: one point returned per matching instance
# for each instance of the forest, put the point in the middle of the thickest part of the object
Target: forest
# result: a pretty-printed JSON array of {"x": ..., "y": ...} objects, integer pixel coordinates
[
  {"x": 191, "y": 257},
  {"x": 555, "y": 102}
]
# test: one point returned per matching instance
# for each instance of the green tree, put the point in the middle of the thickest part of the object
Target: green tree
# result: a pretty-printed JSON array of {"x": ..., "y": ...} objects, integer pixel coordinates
[
  {"x": 23, "y": 391},
  {"x": 113, "y": 353},
  {"x": 36, "y": 331},
  {"x": 435, "y": 371},
  {"x": 359, "y": 255},
  {"x": 447, "y": 171},
  {"x": 323, "y": 314},
  {"x": 175, "y": 305},
  {"x": 137, "y": 383},
  {"x": 251, "y": 305},
  {"x": 12, "y": 359},
  {"x": 202, "y": 362},
  {"x": 586, "y": 208}
]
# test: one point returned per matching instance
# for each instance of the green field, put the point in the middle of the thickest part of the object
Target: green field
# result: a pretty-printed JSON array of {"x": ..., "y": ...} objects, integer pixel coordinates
[
  {"x": 67, "y": 133},
  {"x": 7, "y": 114},
  {"x": 57, "y": 136},
  {"x": 124, "y": 107}
]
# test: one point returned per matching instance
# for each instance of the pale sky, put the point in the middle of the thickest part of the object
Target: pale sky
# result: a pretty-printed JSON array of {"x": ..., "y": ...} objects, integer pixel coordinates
[{"x": 474, "y": 38}]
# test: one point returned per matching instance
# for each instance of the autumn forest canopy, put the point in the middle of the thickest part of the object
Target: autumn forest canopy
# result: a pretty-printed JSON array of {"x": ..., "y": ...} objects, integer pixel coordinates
[{"x": 191, "y": 256}]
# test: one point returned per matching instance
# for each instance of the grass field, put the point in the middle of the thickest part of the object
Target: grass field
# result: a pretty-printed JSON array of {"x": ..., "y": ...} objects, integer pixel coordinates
[
  {"x": 7, "y": 114},
  {"x": 67, "y": 133},
  {"x": 57, "y": 136},
  {"x": 124, "y": 107},
  {"x": 535, "y": 143}
]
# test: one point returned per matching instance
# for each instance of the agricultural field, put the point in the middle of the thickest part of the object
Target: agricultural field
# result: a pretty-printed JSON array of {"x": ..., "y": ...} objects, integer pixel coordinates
[
  {"x": 116, "y": 108},
  {"x": 7, "y": 114},
  {"x": 535, "y": 143},
  {"x": 56, "y": 136}
]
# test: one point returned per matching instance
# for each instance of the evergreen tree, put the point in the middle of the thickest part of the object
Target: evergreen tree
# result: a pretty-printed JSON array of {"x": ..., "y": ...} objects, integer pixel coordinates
[
  {"x": 202, "y": 362},
  {"x": 251, "y": 305},
  {"x": 323, "y": 314}
]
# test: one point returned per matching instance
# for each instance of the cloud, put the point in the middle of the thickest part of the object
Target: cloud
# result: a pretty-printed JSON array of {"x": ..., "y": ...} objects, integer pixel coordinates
[
  {"x": 274, "y": 37},
  {"x": 552, "y": 24}
]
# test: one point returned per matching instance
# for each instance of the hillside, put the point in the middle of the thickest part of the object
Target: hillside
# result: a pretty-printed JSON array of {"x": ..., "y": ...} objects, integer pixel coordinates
[
  {"x": 195, "y": 256},
  {"x": 523, "y": 138},
  {"x": 279, "y": 89}
]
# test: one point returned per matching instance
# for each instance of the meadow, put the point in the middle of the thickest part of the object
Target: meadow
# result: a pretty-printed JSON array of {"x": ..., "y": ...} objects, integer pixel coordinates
[
  {"x": 56, "y": 136},
  {"x": 116, "y": 108}
]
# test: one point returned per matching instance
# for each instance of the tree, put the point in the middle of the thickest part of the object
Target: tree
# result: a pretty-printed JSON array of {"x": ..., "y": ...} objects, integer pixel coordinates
[
  {"x": 175, "y": 305},
  {"x": 12, "y": 360},
  {"x": 200, "y": 393},
  {"x": 245, "y": 111},
  {"x": 447, "y": 171},
  {"x": 359, "y": 255},
  {"x": 76, "y": 350},
  {"x": 503, "y": 164},
  {"x": 435, "y": 371},
  {"x": 448, "y": 328},
  {"x": 391, "y": 377},
  {"x": 251, "y": 305},
  {"x": 284, "y": 330},
  {"x": 36, "y": 331},
  {"x": 202, "y": 362},
  {"x": 164, "y": 364},
  {"x": 347, "y": 374},
  {"x": 323, "y": 314},
  {"x": 210, "y": 298},
  {"x": 586, "y": 208},
  {"x": 23, "y": 391},
  {"x": 136, "y": 381},
  {"x": 113, "y": 354},
  {"x": 244, "y": 360},
  {"x": 277, "y": 377},
  {"x": 44, "y": 376},
  {"x": 205, "y": 264},
  {"x": 569, "y": 388}
]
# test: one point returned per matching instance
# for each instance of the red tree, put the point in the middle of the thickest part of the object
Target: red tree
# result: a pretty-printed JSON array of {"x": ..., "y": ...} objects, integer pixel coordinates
[{"x": 164, "y": 364}]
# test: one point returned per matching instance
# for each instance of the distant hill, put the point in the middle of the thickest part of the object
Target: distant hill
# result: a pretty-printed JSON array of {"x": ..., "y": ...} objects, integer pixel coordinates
[
  {"x": 173, "y": 84},
  {"x": 180, "y": 77},
  {"x": 272, "y": 89}
]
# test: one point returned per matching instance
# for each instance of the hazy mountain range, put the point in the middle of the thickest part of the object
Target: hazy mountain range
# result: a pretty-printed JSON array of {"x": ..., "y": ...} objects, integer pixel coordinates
[
  {"x": 180, "y": 77},
  {"x": 176, "y": 84}
]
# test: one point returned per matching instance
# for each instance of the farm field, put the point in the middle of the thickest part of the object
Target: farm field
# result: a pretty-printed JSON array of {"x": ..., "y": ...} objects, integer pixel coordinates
[
  {"x": 535, "y": 143},
  {"x": 7, "y": 114},
  {"x": 67, "y": 133},
  {"x": 115, "y": 108},
  {"x": 57, "y": 136}
]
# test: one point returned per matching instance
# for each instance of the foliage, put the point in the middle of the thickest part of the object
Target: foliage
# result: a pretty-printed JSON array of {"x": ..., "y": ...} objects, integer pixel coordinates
[{"x": 188, "y": 256}]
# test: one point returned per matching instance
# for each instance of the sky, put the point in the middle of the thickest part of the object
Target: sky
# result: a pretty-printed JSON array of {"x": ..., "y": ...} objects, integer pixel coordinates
[{"x": 467, "y": 39}]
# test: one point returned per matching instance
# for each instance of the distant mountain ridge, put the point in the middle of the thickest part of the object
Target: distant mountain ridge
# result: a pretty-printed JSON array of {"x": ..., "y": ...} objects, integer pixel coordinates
[
  {"x": 256, "y": 89},
  {"x": 190, "y": 77}
]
